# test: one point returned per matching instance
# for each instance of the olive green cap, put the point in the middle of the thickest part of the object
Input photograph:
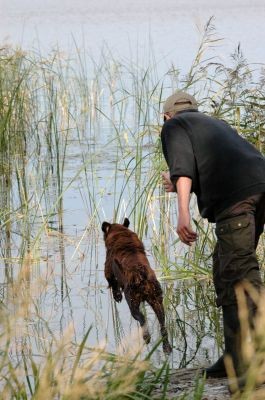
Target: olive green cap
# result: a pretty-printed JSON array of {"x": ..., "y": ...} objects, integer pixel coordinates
[{"x": 179, "y": 101}]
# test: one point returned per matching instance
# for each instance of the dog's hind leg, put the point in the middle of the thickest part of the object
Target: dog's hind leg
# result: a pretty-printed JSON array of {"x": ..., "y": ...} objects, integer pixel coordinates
[
  {"x": 134, "y": 305},
  {"x": 157, "y": 306}
]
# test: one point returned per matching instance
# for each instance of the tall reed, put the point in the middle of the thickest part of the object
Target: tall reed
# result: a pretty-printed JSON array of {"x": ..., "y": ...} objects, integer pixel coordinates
[{"x": 89, "y": 130}]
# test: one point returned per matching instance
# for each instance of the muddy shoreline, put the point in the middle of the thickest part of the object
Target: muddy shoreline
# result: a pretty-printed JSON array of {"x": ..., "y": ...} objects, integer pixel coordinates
[{"x": 183, "y": 381}]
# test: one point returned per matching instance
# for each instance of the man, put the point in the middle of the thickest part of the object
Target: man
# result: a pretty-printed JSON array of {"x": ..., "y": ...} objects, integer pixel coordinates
[{"x": 227, "y": 174}]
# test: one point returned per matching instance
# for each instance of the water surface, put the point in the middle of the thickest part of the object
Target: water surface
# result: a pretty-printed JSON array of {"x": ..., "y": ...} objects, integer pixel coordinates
[{"x": 69, "y": 263}]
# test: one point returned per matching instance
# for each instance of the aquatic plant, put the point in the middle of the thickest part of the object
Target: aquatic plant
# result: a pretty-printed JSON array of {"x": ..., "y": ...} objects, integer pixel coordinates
[{"x": 88, "y": 130}]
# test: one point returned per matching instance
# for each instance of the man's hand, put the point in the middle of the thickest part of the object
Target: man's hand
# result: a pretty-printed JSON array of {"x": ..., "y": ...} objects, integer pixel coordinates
[
  {"x": 184, "y": 229},
  {"x": 169, "y": 187}
]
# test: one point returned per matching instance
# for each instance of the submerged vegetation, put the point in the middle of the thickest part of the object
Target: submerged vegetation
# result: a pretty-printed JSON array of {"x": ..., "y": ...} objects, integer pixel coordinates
[{"x": 79, "y": 143}]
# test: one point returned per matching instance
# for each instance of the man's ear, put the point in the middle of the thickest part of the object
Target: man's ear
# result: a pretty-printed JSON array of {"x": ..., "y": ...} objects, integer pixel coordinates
[
  {"x": 167, "y": 116},
  {"x": 105, "y": 226},
  {"x": 126, "y": 222}
]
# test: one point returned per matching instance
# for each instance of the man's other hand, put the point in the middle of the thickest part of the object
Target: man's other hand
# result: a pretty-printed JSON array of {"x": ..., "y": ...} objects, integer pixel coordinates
[{"x": 168, "y": 186}]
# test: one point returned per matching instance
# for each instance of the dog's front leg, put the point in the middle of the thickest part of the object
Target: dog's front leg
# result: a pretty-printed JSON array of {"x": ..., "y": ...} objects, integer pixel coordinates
[
  {"x": 116, "y": 291},
  {"x": 113, "y": 283}
]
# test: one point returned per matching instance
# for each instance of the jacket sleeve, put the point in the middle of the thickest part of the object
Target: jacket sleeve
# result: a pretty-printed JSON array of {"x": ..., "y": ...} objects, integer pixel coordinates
[{"x": 178, "y": 151}]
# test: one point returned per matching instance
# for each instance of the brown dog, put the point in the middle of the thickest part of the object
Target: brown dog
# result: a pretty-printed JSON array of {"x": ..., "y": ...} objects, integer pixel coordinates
[{"x": 128, "y": 270}]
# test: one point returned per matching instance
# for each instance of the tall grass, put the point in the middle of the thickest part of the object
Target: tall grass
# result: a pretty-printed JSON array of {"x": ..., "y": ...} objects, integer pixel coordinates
[
  {"x": 83, "y": 134},
  {"x": 251, "y": 385}
]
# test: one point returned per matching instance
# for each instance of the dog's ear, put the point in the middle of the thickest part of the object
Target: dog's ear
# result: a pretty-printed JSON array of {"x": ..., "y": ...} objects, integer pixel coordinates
[
  {"x": 105, "y": 226},
  {"x": 126, "y": 222}
]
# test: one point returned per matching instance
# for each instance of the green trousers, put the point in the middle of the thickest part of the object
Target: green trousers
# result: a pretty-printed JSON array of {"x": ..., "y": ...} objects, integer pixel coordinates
[{"x": 238, "y": 229}]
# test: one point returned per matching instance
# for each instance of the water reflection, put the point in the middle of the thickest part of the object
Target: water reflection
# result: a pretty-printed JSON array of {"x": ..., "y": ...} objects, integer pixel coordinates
[
  {"x": 58, "y": 293},
  {"x": 73, "y": 174}
]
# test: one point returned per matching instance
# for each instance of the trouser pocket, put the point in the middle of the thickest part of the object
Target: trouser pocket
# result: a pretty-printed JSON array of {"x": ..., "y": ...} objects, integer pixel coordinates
[
  {"x": 236, "y": 259},
  {"x": 236, "y": 234}
]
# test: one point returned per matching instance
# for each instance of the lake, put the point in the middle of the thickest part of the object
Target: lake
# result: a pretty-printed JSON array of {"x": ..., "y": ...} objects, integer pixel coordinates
[{"x": 92, "y": 154}]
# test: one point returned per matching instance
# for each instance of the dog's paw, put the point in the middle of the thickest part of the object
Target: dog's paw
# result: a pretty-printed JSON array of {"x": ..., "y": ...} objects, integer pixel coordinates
[
  {"x": 167, "y": 349},
  {"x": 117, "y": 296}
]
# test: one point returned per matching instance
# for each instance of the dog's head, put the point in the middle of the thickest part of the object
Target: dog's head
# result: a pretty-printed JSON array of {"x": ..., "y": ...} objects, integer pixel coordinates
[{"x": 107, "y": 227}]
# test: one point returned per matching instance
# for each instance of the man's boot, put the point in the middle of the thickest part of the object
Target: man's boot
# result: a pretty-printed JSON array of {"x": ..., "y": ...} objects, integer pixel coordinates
[{"x": 217, "y": 370}]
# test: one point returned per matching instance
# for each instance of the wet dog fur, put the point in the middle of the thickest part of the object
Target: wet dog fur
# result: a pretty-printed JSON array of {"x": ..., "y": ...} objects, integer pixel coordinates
[{"x": 128, "y": 271}]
